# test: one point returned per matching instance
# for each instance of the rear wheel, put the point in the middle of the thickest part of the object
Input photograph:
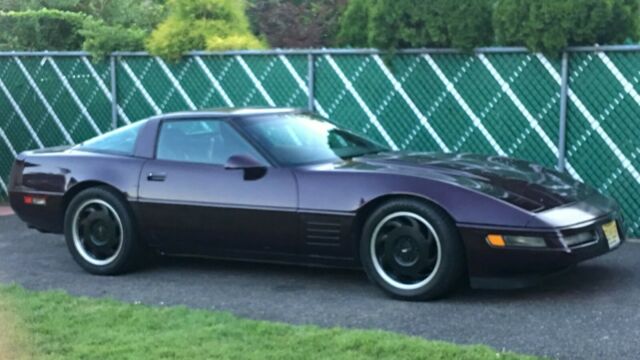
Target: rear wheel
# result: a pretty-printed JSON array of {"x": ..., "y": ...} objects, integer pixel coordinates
[
  {"x": 412, "y": 250},
  {"x": 100, "y": 233}
]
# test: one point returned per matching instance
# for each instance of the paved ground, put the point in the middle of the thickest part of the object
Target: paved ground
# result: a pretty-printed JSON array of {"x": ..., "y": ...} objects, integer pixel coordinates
[{"x": 592, "y": 312}]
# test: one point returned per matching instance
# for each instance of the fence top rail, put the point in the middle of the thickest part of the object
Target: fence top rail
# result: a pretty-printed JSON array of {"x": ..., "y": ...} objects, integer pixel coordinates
[{"x": 332, "y": 51}]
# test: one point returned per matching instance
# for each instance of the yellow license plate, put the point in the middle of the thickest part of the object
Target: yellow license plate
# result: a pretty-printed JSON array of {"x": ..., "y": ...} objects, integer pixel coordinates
[{"x": 611, "y": 232}]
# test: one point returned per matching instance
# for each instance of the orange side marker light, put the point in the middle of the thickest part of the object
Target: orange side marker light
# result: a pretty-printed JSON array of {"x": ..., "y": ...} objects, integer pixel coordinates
[{"x": 495, "y": 240}]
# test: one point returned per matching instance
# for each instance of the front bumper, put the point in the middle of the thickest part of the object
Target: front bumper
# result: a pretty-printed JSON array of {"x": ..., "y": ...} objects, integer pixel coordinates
[{"x": 491, "y": 267}]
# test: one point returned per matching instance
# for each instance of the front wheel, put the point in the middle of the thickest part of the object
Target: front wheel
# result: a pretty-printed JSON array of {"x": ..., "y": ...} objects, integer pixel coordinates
[
  {"x": 100, "y": 233},
  {"x": 412, "y": 250}
]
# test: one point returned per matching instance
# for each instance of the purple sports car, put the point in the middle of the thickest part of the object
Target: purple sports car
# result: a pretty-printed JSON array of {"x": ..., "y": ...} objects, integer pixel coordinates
[{"x": 281, "y": 185}]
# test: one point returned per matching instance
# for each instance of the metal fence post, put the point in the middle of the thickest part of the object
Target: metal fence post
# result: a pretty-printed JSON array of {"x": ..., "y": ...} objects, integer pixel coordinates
[
  {"x": 311, "y": 68},
  {"x": 562, "y": 131},
  {"x": 114, "y": 92}
]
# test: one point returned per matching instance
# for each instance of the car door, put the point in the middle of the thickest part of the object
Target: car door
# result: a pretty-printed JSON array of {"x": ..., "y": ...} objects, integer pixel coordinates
[{"x": 191, "y": 203}]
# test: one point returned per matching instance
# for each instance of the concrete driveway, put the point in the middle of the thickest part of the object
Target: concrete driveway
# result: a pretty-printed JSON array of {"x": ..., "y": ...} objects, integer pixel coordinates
[{"x": 591, "y": 312}]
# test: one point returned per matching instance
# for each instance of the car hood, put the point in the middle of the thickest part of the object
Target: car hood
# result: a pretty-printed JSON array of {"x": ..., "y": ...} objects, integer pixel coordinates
[{"x": 524, "y": 184}]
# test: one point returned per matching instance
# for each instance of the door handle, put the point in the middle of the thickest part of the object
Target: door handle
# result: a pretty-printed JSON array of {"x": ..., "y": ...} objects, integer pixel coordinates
[{"x": 156, "y": 176}]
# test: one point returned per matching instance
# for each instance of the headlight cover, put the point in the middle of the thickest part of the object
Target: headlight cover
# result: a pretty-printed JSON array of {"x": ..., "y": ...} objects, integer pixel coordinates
[
  {"x": 524, "y": 241},
  {"x": 518, "y": 241},
  {"x": 579, "y": 238}
]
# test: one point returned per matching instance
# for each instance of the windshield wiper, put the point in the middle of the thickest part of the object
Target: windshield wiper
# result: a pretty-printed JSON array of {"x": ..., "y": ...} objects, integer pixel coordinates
[{"x": 351, "y": 156}]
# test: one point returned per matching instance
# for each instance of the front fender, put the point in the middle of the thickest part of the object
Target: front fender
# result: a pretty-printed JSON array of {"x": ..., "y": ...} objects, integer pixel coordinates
[{"x": 346, "y": 192}]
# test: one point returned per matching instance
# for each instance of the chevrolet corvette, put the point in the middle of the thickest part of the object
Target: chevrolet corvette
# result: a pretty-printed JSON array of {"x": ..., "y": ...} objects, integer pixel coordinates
[{"x": 281, "y": 185}]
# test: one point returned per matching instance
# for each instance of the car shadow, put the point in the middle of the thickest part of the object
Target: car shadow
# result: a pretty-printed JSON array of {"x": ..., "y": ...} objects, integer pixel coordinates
[
  {"x": 587, "y": 279},
  {"x": 584, "y": 280},
  {"x": 270, "y": 272}
]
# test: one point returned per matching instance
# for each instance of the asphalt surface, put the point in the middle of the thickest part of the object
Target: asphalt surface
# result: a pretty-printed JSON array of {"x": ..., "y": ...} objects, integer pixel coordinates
[{"x": 591, "y": 312}]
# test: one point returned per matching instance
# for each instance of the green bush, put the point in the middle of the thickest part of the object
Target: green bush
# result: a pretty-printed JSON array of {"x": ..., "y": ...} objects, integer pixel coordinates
[
  {"x": 102, "y": 26},
  {"x": 391, "y": 24},
  {"x": 296, "y": 23},
  {"x": 118, "y": 25},
  {"x": 550, "y": 25},
  {"x": 353, "y": 26},
  {"x": 202, "y": 24},
  {"x": 138, "y": 14},
  {"x": 101, "y": 39},
  {"x": 21, "y": 5},
  {"x": 540, "y": 25},
  {"x": 44, "y": 29},
  {"x": 98, "y": 26}
]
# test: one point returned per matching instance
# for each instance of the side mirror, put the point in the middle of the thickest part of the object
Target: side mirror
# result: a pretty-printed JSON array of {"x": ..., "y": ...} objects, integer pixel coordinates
[{"x": 253, "y": 169}]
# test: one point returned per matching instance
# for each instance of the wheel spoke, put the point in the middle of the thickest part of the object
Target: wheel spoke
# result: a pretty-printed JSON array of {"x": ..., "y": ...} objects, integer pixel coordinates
[
  {"x": 394, "y": 234},
  {"x": 111, "y": 230},
  {"x": 386, "y": 260},
  {"x": 414, "y": 223},
  {"x": 429, "y": 240},
  {"x": 429, "y": 263},
  {"x": 88, "y": 217},
  {"x": 102, "y": 213},
  {"x": 102, "y": 252},
  {"x": 406, "y": 272},
  {"x": 83, "y": 229},
  {"x": 418, "y": 235},
  {"x": 94, "y": 214},
  {"x": 90, "y": 246},
  {"x": 391, "y": 226}
]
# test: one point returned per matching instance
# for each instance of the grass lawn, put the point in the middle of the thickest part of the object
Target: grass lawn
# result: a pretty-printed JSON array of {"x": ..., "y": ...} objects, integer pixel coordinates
[{"x": 54, "y": 325}]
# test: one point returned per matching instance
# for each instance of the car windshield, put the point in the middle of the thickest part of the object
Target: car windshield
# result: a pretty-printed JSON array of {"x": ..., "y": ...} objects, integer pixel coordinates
[{"x": 299, "y": 139}]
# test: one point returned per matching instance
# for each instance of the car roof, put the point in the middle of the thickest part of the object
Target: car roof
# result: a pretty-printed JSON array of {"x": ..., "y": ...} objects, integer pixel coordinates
[{"x": 228, "y": 113}]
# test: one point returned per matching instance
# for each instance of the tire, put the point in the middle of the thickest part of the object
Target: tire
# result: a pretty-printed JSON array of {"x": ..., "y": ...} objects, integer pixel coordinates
[
  {"x": 412, "y": 250},
  {"x": 100, "y": 232}
]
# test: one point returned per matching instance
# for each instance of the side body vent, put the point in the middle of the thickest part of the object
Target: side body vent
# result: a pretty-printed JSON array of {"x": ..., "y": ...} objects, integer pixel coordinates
[
  {"x": 328, "y": 236},
  {"x": 322, "y": 231}
]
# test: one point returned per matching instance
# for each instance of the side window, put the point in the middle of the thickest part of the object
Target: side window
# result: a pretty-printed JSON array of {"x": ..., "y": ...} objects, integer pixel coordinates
[
  {"x": 201, "y": 141},
  {"x": 119, "y": 141}
]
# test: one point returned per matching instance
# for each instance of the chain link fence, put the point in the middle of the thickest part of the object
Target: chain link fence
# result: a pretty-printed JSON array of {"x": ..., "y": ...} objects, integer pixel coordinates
[{"x": 496, "y": 101}]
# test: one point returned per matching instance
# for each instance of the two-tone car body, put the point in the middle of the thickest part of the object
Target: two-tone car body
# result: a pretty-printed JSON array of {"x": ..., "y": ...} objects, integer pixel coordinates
[{"x": 280, "y": 185}]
